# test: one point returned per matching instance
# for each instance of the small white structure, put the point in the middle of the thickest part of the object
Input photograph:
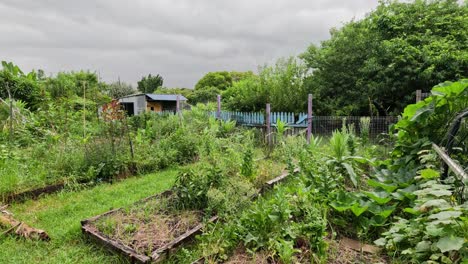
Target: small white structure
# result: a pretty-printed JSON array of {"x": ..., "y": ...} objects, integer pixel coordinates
[{"x": 139, "y": 103}]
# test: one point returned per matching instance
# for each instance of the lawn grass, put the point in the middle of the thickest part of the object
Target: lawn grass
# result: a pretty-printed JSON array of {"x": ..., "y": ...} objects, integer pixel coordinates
[{"x": 60, "y": 214}]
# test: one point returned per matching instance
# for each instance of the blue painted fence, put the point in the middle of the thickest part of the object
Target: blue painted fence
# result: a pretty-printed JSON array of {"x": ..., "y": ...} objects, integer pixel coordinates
[{"x": 258, "y": 118}]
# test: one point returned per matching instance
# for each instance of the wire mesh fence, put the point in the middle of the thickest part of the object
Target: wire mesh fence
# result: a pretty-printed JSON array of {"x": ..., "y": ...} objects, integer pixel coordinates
[
  {"x": 374, "y": 126},
  {"x": 321, "y": 125},
  {"x": 421, "y": 96}
]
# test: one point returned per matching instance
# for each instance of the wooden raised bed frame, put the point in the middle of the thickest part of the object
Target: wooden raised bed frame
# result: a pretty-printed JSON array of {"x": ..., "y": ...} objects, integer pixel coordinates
[
  {"x": 36, "y": 192},
  {"x": 158, "y": 254}
]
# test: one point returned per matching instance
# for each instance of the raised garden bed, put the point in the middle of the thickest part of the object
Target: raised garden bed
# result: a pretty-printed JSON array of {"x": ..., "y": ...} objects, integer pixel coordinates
[
  {"x": 36, "y": 192},
  {"x": 150, "y": 230},
  {"x": 33, "y": 193}
]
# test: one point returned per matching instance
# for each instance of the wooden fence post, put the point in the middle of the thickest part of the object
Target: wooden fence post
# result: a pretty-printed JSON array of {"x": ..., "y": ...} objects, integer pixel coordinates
[
  {"x": 177, "y": 104},
  {"x": 418, "y": 95},
  {"x": 268, "y": 124},
  {"x": 309, "y": 118},
  {"x": 218, "y": 113}
]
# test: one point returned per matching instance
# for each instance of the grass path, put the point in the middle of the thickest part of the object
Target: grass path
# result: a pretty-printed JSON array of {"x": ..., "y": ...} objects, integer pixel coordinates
[{"x": 60, "y": 214}]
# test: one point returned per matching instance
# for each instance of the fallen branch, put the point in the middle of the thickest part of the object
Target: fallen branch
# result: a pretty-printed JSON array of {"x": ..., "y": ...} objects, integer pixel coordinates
[
  {"x": 22, "y": 229},
  {"x": 9, "y": 230}
]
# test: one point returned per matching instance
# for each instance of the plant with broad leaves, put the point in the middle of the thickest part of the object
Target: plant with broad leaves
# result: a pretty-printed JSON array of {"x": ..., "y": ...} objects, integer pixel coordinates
[
  {"x": 342, "y": 160},
  {"x": 436, "y": 232}
]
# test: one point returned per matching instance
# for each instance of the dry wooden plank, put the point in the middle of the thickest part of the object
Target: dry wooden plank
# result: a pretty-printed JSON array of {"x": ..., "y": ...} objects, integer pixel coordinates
[
  {"x": 9, "y": 230},
  {"x": 97, "y": 217},
  {"x": 451, "y": 163},
  {"x": 159, "y": 254},
  {"x": 89, "y": 229},
  {"x": 114, "y": 245},
  {"x": 22, "y": 229},
  {"x": 199, "y": 261},
  {"x": 94, "y": 218},
  {"x": 358, "y": 246},
  {"x": 277, "y": 180}
]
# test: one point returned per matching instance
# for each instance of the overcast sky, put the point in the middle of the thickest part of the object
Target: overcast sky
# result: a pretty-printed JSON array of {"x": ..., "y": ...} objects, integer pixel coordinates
[{"x": 179, "y": 39}]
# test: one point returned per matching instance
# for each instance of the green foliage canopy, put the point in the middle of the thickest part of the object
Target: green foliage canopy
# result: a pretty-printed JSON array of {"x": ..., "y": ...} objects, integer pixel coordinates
[
  {"x": 149, "y": 84},
  {"x": 220, "y": 80},
  {"x": 282, "y": 85},
  {"x": 186, "y": 92},
  {"x": 214, "y": 83},
  {"x": 377, "y": 63},
  {"x": 119, "y": 89},
  {"x": 21, "y": 86}
]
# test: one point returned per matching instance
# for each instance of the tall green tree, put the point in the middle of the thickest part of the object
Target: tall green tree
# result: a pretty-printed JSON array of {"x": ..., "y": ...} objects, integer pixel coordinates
[
  {"x": 76, "y": 86},
  {"x": 186, "y": 92},
  {"x": 245, "y": 95},
  {"x": 214, "y": 83},
  {"x": 209, "y": 86},
  {"x": 20, "y": 86},
  {"x": 150, "y": 83},
  {"x": 219, "y": 80},
  {"x": 239, "y": 76},
  {"x": 375, "y": 65},
  {"x": 282, "y": 85},
  {"x": 119, "y": 89}
]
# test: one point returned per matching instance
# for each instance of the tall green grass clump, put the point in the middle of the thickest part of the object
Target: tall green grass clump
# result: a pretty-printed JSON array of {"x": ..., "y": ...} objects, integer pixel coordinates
[
  {"x": 364, "y": 124},
  {"x": 339, "y": 144}
]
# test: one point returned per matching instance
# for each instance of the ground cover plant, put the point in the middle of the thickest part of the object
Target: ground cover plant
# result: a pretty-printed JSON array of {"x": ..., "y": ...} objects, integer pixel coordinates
[
  {"x": 51, "y": 133},
  {"x": 398, "y": 202},
  {"x": 395, "y": 193},
  {"x": 61, "y": 138},
  {"x": 228, "y": 173},
  {"x": 60, "y": 214},
  {"x": 407, "y": 207},
  {"x": 105, "y": 149},
  {"x": 290, "y": 223}
]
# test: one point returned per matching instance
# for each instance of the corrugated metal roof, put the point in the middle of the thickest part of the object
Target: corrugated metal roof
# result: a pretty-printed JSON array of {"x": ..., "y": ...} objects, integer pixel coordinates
[
  {"x": 165, "y": 97},
  {"x": 131, "y": 95}
]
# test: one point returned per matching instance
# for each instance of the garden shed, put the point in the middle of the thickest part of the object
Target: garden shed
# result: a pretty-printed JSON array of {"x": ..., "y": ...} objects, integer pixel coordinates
[{"x": 138, "y": 103}]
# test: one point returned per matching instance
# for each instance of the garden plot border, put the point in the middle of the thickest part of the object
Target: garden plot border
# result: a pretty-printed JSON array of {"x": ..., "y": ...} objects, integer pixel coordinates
[
  {"x": 35, "y": 192},
  {"x": 159, "y": 254}
]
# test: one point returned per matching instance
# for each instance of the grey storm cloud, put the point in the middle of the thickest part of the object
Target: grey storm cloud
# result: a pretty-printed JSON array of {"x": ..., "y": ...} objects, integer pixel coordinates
[{"x": 179, "y": 39}]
